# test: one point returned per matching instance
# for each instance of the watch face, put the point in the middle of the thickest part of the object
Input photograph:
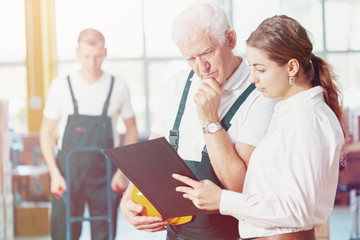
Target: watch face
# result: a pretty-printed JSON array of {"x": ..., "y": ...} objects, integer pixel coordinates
[{"x": 212, "y": 127}]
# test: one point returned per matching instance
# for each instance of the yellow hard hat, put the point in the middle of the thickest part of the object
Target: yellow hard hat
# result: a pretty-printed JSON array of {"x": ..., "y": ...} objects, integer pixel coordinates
[{"x": 150, "y": 210}]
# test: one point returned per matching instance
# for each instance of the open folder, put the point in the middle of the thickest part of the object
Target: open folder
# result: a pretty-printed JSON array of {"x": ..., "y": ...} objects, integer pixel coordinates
[{"x": 149, "y": 166}]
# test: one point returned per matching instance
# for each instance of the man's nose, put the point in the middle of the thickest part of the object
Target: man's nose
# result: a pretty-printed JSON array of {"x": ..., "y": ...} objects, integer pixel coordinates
[{"x": 203, "y": 65}]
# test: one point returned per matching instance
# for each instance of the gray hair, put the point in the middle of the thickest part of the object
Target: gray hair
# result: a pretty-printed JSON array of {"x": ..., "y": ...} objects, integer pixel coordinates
[{"x": 202, "y": 16}]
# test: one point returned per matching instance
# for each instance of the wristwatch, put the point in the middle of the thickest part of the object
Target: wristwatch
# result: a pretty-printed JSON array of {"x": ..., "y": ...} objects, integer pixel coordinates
[{"x": 212, "y": 127}]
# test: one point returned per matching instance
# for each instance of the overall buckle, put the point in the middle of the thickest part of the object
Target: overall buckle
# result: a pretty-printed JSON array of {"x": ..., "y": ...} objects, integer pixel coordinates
[{"x": 174, "y": 139}]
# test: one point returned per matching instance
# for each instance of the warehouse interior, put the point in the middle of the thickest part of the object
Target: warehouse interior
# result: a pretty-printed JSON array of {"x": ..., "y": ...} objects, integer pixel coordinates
[{"x": 38, "y": 43}]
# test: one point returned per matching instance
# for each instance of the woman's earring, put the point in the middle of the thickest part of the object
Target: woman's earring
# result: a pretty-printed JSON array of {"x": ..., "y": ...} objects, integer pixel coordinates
[{"x": 291, "y": 80}]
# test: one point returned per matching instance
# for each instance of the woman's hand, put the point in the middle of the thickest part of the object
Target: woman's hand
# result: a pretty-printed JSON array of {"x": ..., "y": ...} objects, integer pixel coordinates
[{"x": 204, "y": 194}]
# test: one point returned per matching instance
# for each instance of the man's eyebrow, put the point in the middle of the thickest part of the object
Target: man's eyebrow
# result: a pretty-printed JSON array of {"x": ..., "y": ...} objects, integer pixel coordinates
[{"x": 204, "y": 50}]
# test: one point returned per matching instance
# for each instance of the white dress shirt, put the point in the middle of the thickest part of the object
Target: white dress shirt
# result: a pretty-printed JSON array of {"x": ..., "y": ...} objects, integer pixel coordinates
[
  {"x": 292, "y": 176},
  {"x": 249, "y": 124}
]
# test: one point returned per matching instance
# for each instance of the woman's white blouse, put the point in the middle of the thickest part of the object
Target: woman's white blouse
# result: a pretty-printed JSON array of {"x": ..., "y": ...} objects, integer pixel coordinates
[{"x": 291, "y": 180}]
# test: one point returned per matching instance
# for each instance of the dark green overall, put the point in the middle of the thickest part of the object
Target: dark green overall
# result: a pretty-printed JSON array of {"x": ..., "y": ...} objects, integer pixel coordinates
[
  {"x": 88, "y": 172},
  {"x": 213, "y": 226}
]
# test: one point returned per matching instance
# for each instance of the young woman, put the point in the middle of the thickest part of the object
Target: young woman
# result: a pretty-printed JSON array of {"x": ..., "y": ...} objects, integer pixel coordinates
[{"x": 292, "y": 175}]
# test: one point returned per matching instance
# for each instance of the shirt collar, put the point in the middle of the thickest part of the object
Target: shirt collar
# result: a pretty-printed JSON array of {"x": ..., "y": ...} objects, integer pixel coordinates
[
  {"x": 298, "y": 99},
  {"x": 237, "y": 80}
]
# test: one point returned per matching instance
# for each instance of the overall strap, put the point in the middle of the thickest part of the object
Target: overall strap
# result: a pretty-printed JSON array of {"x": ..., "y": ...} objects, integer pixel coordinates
[
  {"x": 174, "y": 133},
  {"x": 106, "y": 104},
  {"x": 73, "y": 96},
  {"x": 225, "y": 122}
]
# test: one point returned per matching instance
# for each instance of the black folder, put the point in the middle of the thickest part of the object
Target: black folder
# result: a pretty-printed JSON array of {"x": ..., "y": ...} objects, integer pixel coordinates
[{"x": 149, "y": 166}]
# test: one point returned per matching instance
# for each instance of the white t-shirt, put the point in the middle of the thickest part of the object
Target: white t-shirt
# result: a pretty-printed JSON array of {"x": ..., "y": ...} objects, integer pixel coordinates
[
  {"x": 249, "y": 124},
  {"x": 291, "y": 179},
  {"x": 90, "y": 97}
]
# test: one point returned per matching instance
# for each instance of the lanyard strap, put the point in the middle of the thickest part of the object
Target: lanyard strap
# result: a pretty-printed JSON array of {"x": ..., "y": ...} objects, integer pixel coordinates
[
  {"x": 174, "y": 133},
  {"x": 106, "y": 104}
]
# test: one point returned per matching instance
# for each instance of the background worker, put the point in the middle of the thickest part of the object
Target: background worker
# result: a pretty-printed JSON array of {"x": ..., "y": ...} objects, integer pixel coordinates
[
  {"x": 203, "y": 34},
  {"x": 85, "y": 107}
]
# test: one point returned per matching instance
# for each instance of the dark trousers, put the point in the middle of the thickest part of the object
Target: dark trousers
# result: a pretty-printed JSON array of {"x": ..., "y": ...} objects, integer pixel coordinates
[{"x": 93, "y": 192}]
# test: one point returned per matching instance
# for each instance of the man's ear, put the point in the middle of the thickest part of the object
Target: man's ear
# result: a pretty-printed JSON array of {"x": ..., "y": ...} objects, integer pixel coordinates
[
  {"x": 293, "y": 67},
  {"x": 231, "y": 38}
]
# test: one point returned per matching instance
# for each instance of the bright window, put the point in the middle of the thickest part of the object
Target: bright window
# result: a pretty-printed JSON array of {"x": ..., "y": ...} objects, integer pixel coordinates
[
  {"x": 12, "y": 62},
  {"x": 248, "y": 16},
  {"x": 140, "y": 49}
]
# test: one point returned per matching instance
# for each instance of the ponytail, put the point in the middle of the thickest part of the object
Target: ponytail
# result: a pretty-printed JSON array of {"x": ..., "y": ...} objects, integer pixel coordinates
[{"x": 323, "y": 75}]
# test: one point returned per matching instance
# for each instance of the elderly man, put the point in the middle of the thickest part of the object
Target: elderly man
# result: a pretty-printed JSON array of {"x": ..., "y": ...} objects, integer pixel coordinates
[
  {"x": 85, "y": 105},
  {"x": 223, "y": 112}
]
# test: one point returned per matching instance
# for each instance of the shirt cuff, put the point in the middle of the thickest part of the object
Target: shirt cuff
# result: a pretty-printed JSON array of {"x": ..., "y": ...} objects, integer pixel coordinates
[{"x": 231, "y": 202}]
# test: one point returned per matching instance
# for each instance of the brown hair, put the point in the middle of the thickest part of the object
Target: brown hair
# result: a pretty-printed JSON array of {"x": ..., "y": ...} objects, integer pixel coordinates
[{"x": 283, "y": 38}]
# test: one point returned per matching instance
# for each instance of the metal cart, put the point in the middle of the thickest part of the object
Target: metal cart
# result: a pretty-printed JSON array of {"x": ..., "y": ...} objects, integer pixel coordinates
[{"x": 67, "y": 196}]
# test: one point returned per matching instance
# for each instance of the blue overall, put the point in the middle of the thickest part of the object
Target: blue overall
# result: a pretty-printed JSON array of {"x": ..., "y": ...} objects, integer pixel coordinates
[
  {"x": 88, "y": 172},
  {"x": 212, "y": 226}
]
